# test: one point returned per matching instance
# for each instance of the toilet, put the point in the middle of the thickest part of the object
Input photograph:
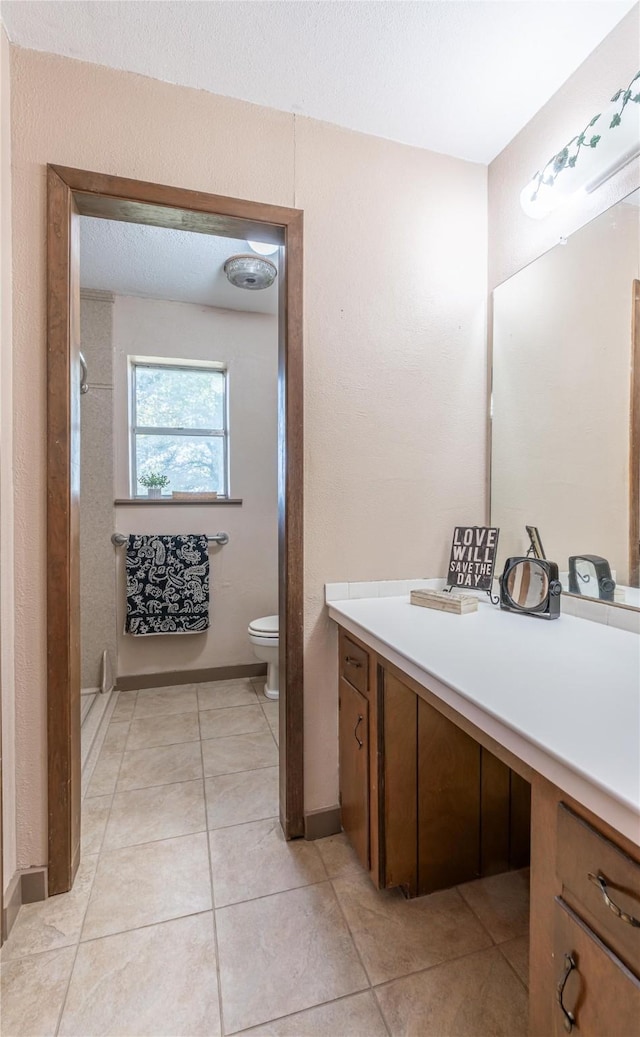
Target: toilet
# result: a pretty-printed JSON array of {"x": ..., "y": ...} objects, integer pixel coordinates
[{"x": 263, "y": 635}]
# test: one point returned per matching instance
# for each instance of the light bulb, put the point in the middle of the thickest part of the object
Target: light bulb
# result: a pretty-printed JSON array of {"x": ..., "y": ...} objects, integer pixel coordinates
[{"x": 263, "y": 248}]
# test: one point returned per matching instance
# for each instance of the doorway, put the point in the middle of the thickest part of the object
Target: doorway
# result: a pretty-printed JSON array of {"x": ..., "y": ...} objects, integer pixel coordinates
[{"x": 73, "y": 193}]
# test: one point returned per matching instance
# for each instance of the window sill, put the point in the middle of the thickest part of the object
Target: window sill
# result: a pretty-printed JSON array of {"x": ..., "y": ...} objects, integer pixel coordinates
[{"x": 164, "y": 501}]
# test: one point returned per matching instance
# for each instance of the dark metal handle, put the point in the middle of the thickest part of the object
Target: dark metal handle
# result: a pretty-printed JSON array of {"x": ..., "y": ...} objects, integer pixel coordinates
[
  {"x": 569, "y": 1018},
  {"x": 599, "y": 881},
  {"x": 350, "y": 661},
  {"x": 355, "y": 731}
]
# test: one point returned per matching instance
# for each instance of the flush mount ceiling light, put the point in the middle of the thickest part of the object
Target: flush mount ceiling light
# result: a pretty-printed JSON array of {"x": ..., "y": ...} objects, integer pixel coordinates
[
  {"x": 250, "y": 272},
  {"x": 263, "y": 248},
  {"x": 606, "y": 145}
]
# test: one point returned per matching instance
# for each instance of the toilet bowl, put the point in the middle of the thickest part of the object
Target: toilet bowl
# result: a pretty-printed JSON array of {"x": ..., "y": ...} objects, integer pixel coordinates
[{"x": 263, "y": 635}]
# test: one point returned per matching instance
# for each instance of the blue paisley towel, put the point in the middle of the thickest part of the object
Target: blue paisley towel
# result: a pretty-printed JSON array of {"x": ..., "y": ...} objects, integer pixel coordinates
[{"x": 167, "y": 584}]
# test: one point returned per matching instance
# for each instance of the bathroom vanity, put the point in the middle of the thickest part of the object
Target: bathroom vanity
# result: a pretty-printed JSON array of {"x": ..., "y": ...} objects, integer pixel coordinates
[{"x": 448, "y": 724}]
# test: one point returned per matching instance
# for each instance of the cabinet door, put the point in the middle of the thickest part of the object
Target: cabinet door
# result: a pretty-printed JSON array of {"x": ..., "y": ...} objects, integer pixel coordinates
[
  {"x": 354, "y": 768},
  {"x": 448, "y": 802},
  {"x": 398, "y": 819},
  {"x": 595, "y": 994}
]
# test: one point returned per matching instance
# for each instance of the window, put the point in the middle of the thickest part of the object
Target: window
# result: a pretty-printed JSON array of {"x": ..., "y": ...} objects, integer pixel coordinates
[{"x": 179, "y": 426}]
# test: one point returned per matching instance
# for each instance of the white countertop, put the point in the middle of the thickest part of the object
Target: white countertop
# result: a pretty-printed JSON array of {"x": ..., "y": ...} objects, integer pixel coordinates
[{"x": 562, "y": 695}]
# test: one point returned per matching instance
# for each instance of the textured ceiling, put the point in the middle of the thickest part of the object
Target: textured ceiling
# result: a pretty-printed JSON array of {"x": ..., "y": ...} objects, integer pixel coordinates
[
  {"x": 456, "y": 76},
  {"x": 133, "y": 259}
]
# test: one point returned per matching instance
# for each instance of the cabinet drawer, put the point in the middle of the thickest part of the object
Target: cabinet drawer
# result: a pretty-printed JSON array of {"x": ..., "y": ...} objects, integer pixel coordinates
[
  {"x": 595, "y": 994},
  {"x": 354, "y": 664},
  {"x": 615, "y": 883}
]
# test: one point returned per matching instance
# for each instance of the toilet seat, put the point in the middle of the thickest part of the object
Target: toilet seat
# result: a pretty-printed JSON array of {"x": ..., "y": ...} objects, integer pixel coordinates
[{"x": 266, "y": 628}]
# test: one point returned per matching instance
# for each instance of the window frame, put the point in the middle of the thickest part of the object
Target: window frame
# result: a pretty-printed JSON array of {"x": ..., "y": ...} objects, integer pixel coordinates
[{"x": 208, "y": 366}]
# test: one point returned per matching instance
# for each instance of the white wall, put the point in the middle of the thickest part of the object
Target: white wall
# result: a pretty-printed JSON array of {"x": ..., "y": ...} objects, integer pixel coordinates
[
  {"x": 244, "y": 573},
  {"x": 7, "y": 672}
]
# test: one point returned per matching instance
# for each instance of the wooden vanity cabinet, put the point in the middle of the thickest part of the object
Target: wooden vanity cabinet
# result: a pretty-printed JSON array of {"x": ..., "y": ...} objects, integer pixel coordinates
[
  {"x": 354, "y": 769},
  {"x": 425, "y": 806},
  {"x": 354, "y": 736},
  {"x": 584, "y": 956},
  {"x": 599, "y": 880},
  {"x": 596, "y": 995},
  {"x": 397, "y": 715},
  {"x": 377, "y": 748},
  {"x": 596, "y": 932},
  {"x": 449, "y": 798}
]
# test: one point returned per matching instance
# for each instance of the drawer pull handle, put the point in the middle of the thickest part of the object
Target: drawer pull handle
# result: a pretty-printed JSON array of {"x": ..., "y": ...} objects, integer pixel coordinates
[
  {"x": 355, "y": 731},
  {"x": 350, "y": 661},
  {"x": 601, "y": 884},
  {"x": 569, "y": 1018}
]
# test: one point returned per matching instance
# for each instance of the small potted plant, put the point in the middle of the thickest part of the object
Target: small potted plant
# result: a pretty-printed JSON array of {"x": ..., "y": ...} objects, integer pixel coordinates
[{"x": 154, "y": 483}]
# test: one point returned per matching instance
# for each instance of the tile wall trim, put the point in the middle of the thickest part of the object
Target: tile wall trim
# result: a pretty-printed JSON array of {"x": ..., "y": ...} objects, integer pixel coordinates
[
  {"x": 320, "y": 823},
  {"x": 134, "y": 682},
  {"x": 12, "y": 904},
  {"x": 26, "y": 886},
  {"x": 98, "y": 294},
  {"x": 377, "y": 588},
  {"x": 620, "y": 617},
  {"x": 33, "y": 885},
  {"x": 90, "y": 757}
]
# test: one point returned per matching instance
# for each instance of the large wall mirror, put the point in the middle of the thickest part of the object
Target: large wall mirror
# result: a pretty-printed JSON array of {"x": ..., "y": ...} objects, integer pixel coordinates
[{"x": 566, "y": 407}]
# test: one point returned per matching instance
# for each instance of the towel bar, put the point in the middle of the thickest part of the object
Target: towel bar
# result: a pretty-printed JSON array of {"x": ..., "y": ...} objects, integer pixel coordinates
[{"x": 119, "y": 539}]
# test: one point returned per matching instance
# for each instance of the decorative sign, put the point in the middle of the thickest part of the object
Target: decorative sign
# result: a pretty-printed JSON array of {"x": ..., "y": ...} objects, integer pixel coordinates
[{"x": 473, "y": 555}]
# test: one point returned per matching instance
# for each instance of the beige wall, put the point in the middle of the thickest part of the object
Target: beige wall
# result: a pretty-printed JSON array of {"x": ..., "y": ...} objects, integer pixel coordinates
[
  {"x": 395, "y": 291},
  {"x": 244, "y": 573},
  {"x": 562, "y": 347},
  {"x": 395, "y": 274},
  {"x": 7, "y": 682},
  {"x": 516, "y": 239},
  {"x": 97, "y": 575}
]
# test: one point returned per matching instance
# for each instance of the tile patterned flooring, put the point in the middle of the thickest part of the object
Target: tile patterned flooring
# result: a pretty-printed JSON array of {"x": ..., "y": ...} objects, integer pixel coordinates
[{"x": 191, "y": 915}]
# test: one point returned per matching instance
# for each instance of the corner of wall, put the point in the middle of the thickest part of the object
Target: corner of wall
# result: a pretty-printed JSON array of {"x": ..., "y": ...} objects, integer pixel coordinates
[
  {"x": 7, "y": 668},
  {"x": 515, "y": 240}
]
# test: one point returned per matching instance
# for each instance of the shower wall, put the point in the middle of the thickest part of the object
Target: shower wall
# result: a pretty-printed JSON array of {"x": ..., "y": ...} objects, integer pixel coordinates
[{"x": 97, "y": 571}]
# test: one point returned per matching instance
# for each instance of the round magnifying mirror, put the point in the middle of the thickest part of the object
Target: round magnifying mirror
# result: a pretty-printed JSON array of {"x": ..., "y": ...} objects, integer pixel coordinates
[{"x": 527, "y": 584}]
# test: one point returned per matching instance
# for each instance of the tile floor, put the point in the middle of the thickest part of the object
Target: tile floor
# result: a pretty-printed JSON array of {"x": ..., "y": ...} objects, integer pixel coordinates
[{"x": 191, "y": 915}]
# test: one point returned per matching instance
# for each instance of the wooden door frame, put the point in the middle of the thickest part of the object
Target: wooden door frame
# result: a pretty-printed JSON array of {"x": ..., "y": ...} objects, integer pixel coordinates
[{"x": 71, "y": 192}]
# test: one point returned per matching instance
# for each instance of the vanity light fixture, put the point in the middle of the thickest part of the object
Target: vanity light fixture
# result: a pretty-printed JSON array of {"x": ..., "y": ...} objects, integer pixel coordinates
[
  {"x": 263, "y": 248},
  {"x": 606, "y": 145}
]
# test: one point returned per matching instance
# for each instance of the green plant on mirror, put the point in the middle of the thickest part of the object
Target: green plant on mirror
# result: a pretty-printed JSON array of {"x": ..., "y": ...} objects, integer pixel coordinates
[{"x": 153, "y": 481}]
